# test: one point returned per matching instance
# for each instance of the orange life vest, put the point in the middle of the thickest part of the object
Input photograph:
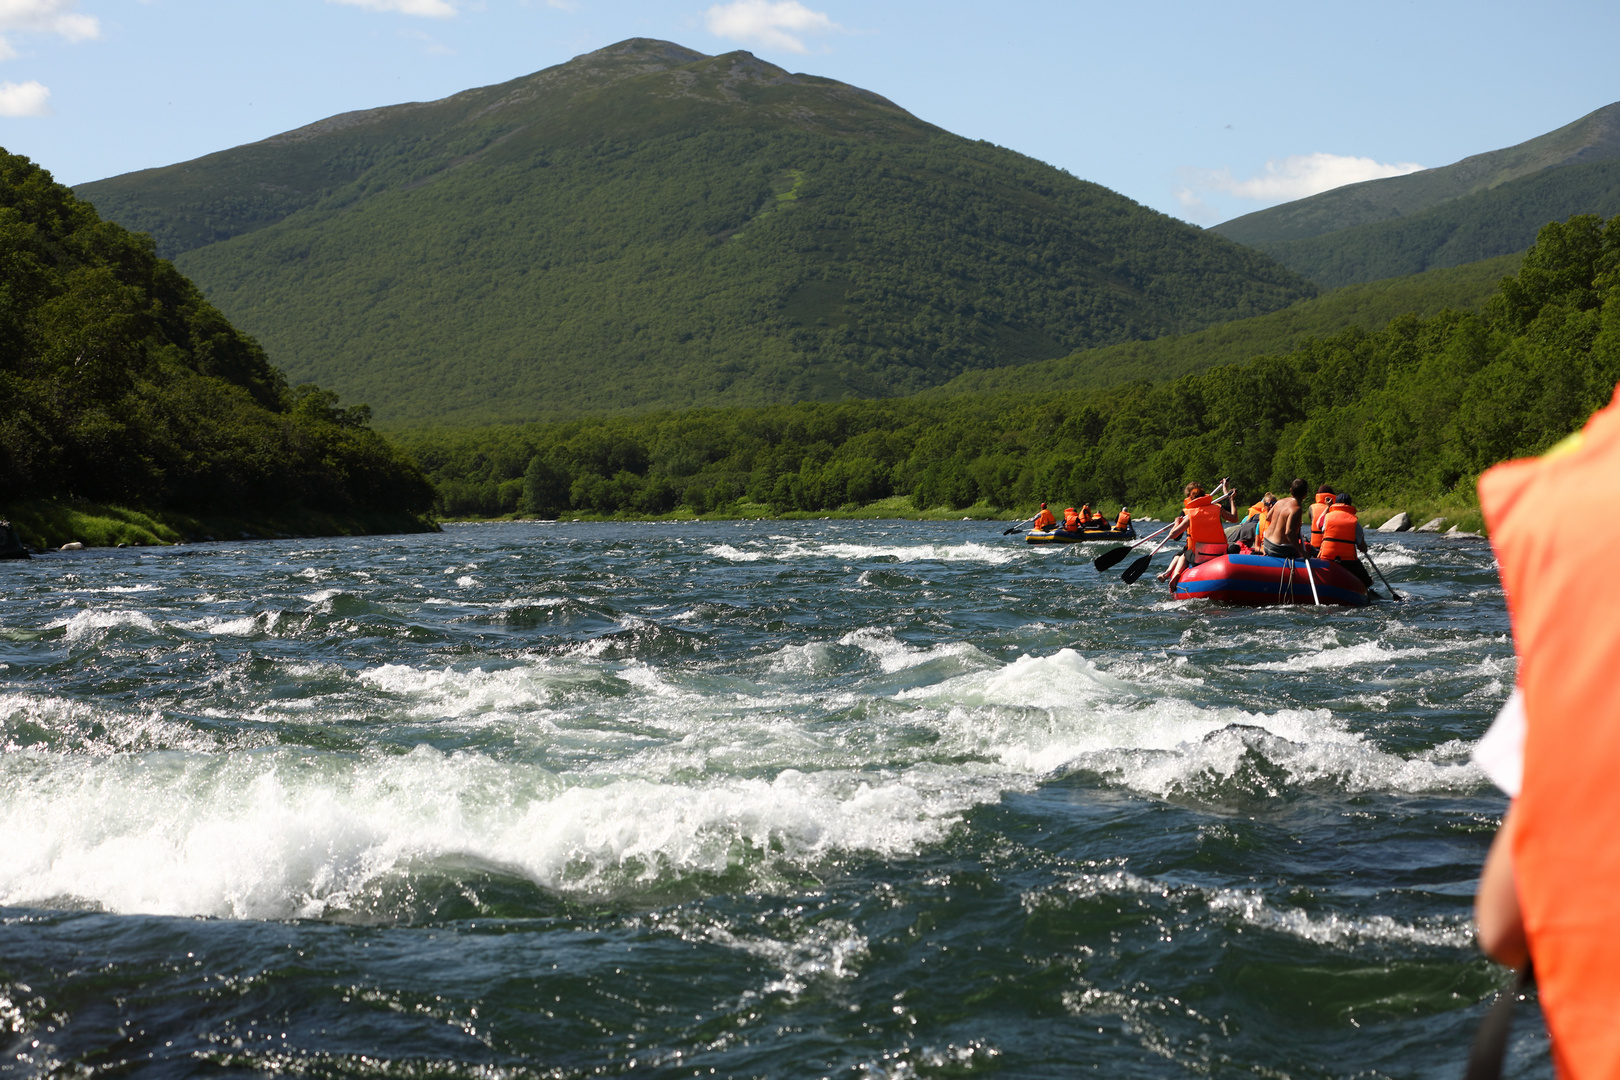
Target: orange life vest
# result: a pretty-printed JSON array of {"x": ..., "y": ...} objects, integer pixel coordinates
[
  {"x": 1123, "y": 522},
  {"x": 1071, "y": 520},
  {"x": 1338, "y": 534},
  {"x": 1045, "y": 520},
  {"x": 1566, "y": 856},
  {"x": 1319, "y": 510},
  {"x": 1206, "y": 536}
]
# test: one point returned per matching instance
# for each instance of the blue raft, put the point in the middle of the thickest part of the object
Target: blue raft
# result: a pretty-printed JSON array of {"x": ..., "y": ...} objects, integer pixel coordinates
[{"x": 1258, "y": 580}]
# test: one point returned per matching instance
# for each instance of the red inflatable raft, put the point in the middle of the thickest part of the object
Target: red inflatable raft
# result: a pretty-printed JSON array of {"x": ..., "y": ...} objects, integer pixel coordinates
[{"x": 1254, "y": 580}]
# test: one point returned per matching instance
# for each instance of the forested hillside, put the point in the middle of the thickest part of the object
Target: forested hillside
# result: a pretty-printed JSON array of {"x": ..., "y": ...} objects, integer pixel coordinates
[
  {"x": 649, "y": 227},
  {"x": 1367, "y": 306},
  {"x": 1479, "y": 226},
  {"x": 1418, "y": 408},
  {"x": 1594, "y": 137},
  {"x": 119, "y": 383},
  {"x": 1482, "y": 207}
]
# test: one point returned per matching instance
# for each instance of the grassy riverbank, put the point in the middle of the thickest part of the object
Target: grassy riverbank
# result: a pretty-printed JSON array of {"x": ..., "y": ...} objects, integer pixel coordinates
[{"x": 50, "y": 523}]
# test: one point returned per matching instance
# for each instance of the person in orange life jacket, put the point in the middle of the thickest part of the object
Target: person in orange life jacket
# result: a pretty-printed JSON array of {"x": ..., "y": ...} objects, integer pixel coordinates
[
  {"x": 1096, "y": 520},
  {"x": 1253, "y": 527},
  {"x": 1200, "y": 522},
  {"x": 1547, "y": 891},
  {"x": 1281, "y": 538},
  {"x": 1071, "y": 520},
  {"x": 1313, "y": 519},
  {"x": 1043, "y": 520},
  {"x": 1123, "y": 522},
  {"x": 1343, "y": 536}
]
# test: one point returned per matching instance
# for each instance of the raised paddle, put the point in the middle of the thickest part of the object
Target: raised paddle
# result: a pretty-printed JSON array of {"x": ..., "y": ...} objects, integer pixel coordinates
[
  {"x": 1137, "y": 568},
  {"x": 1110, "y": 558},
  {"x": 1398, "y": 597}
]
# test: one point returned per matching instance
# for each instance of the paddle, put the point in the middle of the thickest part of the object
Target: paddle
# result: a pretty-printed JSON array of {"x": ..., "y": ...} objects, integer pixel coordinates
[
  {"x": 1110, "y": 558},
  {"x": 1017, "y": 526},
  {"x": 1137, "y": 568},
  {"x": 1398, "y": 597}
]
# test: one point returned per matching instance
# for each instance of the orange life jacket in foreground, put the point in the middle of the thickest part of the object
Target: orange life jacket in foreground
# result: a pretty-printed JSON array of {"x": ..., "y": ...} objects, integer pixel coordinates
[
  {"x": 1071, "y": 520},
  {"x": 1319, "y": 510},
  {"x": 1338, "y": 533},
  {"x": 1566, "y": 849},
  {"x": 1206, "y": 536}
]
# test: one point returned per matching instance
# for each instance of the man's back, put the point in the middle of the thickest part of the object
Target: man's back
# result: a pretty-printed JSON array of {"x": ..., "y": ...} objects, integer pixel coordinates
[{"x": 1284, "y": 521}]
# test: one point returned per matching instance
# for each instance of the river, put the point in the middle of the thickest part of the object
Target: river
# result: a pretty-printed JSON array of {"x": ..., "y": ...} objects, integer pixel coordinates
[{"x": 762, "y": 799}]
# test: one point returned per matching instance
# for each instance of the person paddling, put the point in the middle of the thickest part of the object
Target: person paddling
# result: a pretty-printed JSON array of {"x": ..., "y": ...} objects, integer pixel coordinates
[
  {"x": 1343, "y": 536},
  {"x": 1281, "y": 537},
  {"x": 1043, "y": 520},
  {"x": 1201, "y": 523}
]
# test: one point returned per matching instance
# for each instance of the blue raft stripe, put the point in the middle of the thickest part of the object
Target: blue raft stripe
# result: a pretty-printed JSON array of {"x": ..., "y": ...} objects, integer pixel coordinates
[{"x": 1301, "y": 592}]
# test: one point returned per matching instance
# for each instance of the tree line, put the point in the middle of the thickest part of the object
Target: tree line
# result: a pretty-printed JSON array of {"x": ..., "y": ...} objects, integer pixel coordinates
[{"x": 1417, "y": 408}]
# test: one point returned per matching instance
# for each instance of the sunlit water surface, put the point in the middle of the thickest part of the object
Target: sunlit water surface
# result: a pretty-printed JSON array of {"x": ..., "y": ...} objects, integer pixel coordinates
[{"x": 745, "y": 800}]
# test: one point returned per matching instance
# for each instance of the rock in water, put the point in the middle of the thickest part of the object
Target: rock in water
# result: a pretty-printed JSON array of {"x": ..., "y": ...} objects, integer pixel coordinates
[
  {"x": 1432, "y": 525},
  {"x": 1401, "y": 522},
  {"x": 11, "y": 545},
  {"x": 1456, "y": 530}
]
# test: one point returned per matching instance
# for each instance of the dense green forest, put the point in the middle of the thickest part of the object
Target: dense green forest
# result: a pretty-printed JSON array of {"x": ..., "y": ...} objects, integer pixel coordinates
[
  {"x": 1369, "y": 306},
  {"x": 1594, "y": 137},
  {"x": 647, "y": 227},
  {"x": 120, "y": 384},
  {"x": 1419, "y": 407}
]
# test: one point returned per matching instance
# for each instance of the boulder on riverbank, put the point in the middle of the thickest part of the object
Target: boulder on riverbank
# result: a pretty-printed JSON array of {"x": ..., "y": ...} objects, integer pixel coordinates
[
  {"x": 1401, "y": 522},
  {"x": 1456, "y": 530},
  {"x": 1432, "y": 525}
]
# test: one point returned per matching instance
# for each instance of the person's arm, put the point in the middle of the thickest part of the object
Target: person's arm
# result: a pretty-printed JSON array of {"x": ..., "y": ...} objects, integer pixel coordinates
[{"x": 1496, "y": 904}]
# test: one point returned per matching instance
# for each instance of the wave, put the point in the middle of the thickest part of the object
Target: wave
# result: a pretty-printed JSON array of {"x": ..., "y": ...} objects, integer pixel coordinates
[{"x": 994, "y": 555}]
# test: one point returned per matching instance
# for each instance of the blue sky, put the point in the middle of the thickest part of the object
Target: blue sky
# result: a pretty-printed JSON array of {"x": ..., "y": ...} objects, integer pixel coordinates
[{"x": 1201, "y": 110}]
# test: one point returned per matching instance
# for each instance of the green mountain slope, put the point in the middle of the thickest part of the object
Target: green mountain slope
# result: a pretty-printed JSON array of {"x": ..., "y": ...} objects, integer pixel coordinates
[
  {"x": 1478, "y": 226},
  {"x": 1367, "y": 306},
  {"x": 119, "y": 383},
  {"x": 645, "y": 226},
  {"x": 1594, "y": 137}
]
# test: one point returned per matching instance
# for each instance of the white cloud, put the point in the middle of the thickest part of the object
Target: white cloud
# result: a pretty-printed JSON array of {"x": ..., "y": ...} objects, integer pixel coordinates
[
  {"x": 429, "y": 9},
  {"x": 49, "y": 17},
  {"x": 24, "y": 99},
  {"x": 776, "y": 24},
  {"x": 430, "y": 44},
  {"x": 1296, "y": 177}
]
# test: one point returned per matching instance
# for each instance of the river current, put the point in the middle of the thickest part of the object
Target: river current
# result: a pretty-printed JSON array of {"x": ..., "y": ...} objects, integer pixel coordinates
[{"x": 809, "y": 799}]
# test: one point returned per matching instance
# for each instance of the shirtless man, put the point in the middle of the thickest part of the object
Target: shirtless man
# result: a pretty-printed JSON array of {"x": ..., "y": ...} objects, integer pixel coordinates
[{"x": 1282, "y": 536}]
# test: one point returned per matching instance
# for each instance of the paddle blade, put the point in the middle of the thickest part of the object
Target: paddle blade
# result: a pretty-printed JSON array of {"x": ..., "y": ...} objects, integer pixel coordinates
[
  {"x": 1136, "y": 569},
  {"x": 1109, "y": 559}
]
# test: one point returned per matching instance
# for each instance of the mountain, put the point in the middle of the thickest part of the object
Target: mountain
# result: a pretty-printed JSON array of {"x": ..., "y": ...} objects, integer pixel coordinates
[
  {"x": 1594, "y": 137},
  {"x": 1369, "y": 306},
  {"x": 645, "y": 226},
  {"x": 1481, "y": 207}
]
